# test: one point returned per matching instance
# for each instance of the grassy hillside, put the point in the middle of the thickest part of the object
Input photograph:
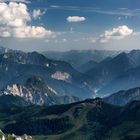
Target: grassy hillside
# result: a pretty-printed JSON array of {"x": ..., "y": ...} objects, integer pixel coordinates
[{"x": 87, "y": 120}]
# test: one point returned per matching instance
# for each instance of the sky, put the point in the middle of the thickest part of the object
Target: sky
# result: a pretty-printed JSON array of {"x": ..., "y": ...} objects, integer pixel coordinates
[{"x": 62, "y": 25}]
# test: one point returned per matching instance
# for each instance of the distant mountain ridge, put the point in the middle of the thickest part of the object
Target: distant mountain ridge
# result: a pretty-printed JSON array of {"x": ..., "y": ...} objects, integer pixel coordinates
[
  {"x": 87, "y": 66},
  {"x": 118, "y": 73},
  {"x": 114, "y": 71},
  {"x": 124, "y": 97},
  {"x": 109, "y": 76},
  {"x": 79, "y": 57}
]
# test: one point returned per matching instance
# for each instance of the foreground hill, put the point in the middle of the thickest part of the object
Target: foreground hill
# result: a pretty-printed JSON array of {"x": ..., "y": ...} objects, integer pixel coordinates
[
  {"x": 8, "y": 101},
  {"x": 86, "y": 120}
]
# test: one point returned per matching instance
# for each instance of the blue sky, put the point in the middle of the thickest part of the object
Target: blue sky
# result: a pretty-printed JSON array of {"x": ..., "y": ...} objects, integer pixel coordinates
[{"x": 71, "y": 24}]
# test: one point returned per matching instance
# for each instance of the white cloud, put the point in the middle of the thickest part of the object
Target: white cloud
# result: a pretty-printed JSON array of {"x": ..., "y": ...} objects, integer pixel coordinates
[
  {"x": 14, "y": 19},
  {"x": 13, "y": 14},
  {"x": 32, "y": 32},
  {"x": 75, "y": 19},
  {"x": 37, "y": 13},
  {"x": 116, "y": 33}
]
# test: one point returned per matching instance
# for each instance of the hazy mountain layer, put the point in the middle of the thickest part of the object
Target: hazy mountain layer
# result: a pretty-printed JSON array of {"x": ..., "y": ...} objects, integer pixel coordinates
[
  {"x": 119, "y": 73},
  {"x": 78, "y": 58},
  {"x": 17, "y": 67},
  {"x": 123, "y": 97}
]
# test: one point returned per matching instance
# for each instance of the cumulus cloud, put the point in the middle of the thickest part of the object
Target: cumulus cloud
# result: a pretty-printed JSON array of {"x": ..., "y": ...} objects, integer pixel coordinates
[
  {"x": 37, "y": 13},
  {"x": 13, "y": 14},
  {"x": 75, "y": 19},
  {"x": 14, "y": 19},
  {"x": 116, "y": 33}
]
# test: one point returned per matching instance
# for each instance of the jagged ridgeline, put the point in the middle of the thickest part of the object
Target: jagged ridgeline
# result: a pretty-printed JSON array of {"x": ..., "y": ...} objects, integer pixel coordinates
[
  {"x": 14, "y": 137},
  {"x": 40, "y": 80}
]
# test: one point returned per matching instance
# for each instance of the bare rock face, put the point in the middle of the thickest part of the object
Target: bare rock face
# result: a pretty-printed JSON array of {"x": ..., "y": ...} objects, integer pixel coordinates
[
  {"x": 58, "y": 75},
  {"x": 37, "y": 92},
  {"x": 13, "y": 136}
]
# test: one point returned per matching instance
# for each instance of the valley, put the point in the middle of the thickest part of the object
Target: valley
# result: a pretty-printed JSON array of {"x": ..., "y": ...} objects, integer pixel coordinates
[{"x": 49, "y": 99}]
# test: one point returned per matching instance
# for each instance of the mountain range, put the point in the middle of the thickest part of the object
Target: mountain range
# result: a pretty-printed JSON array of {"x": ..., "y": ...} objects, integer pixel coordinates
[
  {"x": 33, "y": 73},
  {"x": 40, "y": 80},
  {"x": 51, "y": 99},
  {"x": 115, "y": 74},
  {"x": 36, "y": 92},
  {"x": 124, "y": 97},
  {"x": 106, "y": 72},
  {"x": 79, "y": 57}
]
